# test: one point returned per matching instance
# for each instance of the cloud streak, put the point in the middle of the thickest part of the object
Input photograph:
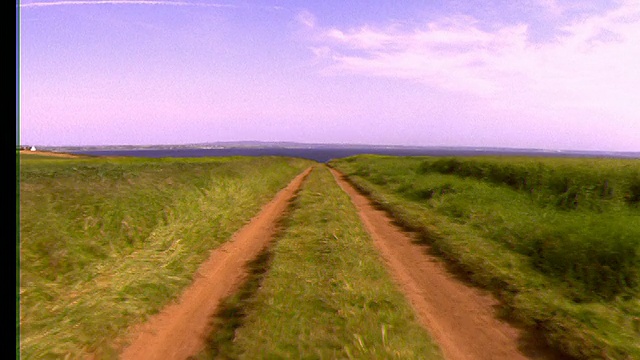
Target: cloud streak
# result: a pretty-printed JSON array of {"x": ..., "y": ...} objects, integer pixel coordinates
[
  {"x": 306, "y": 19},
  {"x": 122, "y": 2}
]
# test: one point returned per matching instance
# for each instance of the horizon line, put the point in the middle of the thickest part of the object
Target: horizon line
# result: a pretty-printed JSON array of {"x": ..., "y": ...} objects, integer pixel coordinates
[{"x": 341, "y": 144}]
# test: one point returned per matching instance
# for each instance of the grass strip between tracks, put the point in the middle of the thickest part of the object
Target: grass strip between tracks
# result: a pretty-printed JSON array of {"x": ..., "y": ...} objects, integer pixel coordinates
[{"x": 321, "y": 291}]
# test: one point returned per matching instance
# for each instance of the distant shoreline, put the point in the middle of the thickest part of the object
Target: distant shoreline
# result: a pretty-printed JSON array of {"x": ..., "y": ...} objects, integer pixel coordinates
[
  {"x": 341, "y": 147},
  {"x": 317, "y": 152},
  {"x": 325, "y": 153}
]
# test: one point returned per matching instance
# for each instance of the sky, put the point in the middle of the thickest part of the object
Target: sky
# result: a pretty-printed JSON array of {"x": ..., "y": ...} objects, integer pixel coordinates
[{"x": 538, "y": 74}]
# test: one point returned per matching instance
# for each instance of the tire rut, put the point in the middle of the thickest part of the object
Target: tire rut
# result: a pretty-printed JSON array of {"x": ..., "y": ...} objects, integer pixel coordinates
[
  {"x": 181, "y": 328},
  {"x": 462, "y": 319}
]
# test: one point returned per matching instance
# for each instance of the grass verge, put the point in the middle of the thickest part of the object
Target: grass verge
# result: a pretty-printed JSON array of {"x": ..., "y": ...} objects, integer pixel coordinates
[
  {"x": 106, "y": 242},
  {"x": 326, "y": 293},
  {"x": 486, "y": 229}
]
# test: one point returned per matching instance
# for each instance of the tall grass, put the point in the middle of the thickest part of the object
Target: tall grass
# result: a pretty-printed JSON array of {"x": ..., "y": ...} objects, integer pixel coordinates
[
  {"x": 597, "y": 247},
  {"x": 565, "y": 183},
  {"x": 104, "y": 243},
  {"x": 324, "y": 294},
  {"x": 572, "y": 272}
]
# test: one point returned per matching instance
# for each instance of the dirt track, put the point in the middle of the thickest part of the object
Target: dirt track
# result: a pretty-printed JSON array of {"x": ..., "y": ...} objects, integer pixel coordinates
[
  {"x": 462, "y": 319},
  {"x": 179, "y": 330}
]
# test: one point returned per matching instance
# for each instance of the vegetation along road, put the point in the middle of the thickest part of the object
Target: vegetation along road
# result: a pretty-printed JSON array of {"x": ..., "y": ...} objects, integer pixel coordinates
[{"x": 369, "y": 257}]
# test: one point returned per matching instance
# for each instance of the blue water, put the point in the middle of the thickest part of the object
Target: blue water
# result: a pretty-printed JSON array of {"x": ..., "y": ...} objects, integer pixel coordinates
[{"x": 325, "y": 154}]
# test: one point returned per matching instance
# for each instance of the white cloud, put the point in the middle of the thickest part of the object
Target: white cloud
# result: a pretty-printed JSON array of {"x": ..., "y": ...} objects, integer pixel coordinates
[
  {"x": 590, "y": 64},
  {"x": 306, "y": 19},
  {"x": 321, "y": 52}
]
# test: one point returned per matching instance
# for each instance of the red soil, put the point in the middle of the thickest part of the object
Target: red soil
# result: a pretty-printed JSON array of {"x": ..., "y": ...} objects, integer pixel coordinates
[
  {"x": 461, "y": 318},
  {"x": 179, "y": 330}
]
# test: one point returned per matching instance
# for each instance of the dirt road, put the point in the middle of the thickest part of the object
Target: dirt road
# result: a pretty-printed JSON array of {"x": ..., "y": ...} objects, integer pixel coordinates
[
  {"x": 462, "y": 319},
  {"x": 179, "y": 330}
]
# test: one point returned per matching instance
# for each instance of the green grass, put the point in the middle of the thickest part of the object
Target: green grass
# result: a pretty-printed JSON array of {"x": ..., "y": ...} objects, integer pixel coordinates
[
  {"x": 17, "y": 255},
  {"x": 572, "y": 271},
  {"x": 321, "y": 292},
  {"x": 104, "y": 242},
  {"x": 566, "y": 183}
]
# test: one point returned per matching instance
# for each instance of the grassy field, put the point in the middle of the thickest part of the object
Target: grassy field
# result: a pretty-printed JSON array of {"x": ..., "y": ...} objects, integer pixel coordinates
[
  {"x": 105, "y": 242},
  {"x": 321, "y": 292},
  {"x": 557, "y": 239}
]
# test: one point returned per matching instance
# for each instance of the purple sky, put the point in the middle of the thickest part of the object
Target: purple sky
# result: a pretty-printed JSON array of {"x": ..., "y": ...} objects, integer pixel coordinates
[{"x": 550, "y": 74}]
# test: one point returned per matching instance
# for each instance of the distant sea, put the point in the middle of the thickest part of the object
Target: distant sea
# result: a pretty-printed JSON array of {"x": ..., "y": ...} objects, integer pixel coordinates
[{"x": 324, "y": 153}]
